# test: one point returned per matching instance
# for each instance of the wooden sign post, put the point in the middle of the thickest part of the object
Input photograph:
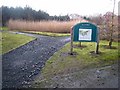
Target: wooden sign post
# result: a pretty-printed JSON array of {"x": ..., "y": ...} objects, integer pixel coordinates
[
  {"x": 71, "y": 44},
  {"x": 85, "y": 32},
  {"x": 97, "y": 43}
]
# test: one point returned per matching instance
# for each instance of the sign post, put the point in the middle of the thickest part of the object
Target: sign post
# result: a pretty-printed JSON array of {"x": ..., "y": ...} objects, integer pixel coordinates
[
  {"x": 97, "y": 43},
  {"x": 97, "y": 47},
  {"x": 85, "y": 32},
  {"x": 71, "y": 44}
]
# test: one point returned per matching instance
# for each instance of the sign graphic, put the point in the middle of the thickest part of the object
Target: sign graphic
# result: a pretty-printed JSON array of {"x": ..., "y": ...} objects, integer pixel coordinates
[{"x": 85, "y": 34}]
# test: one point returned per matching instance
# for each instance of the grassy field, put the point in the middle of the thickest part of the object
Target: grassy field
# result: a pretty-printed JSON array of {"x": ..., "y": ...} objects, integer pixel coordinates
[
  {"x": 41, "y": 26},
  {"x": 11, "y": 41},
  {"x": 62, "y": 63}
]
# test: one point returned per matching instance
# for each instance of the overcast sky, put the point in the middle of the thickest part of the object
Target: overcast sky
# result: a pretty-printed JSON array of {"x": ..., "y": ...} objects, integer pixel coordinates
[{"x": 63, "y": 7}]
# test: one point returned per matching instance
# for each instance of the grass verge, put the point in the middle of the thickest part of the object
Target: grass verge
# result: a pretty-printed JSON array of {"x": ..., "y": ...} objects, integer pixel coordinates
[
  {"x": 49, "y": 33},
  {"x": 40, "y": 33},
  {"x": 62, "y": 63},
  {"x": 11, "y": 41},
  {"x": 3, "y": 28}
]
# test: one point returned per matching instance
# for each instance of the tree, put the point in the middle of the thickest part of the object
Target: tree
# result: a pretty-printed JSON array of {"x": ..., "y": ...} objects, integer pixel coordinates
[
  {"x": 107, "y": 24},
  {"x": 111, "y": 30},
  {"x": 27, "y": 13},
  {"x": 5, "y": 15}
]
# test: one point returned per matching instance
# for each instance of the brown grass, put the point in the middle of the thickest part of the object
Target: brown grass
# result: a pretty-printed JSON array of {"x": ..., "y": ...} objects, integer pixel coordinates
[
  {"x": 42, "y": 26},
  {"x": 54, "y": 27}
]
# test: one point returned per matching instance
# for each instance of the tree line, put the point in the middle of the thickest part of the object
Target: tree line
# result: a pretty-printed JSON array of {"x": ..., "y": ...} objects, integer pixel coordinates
[{"x": 27, "y": 13}]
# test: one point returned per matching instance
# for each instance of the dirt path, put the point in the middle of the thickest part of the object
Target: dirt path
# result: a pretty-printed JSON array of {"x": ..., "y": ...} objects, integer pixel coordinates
[
  {"x": 104, "y": 77},
  {"x": 22, "y": 65}
]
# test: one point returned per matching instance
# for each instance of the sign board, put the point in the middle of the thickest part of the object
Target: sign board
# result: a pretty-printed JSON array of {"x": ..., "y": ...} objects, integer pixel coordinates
[{"x": 85, "y": 32}]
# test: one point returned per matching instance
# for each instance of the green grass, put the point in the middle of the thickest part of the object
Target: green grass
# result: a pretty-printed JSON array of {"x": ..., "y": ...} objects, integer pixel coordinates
[
  {"x": 83, "y": 58},
  {"x": 0, "y": 42},
  {"x": 41, "y": 33},
  {"x": 11, "y": 41},
  {"x": 49, "y": 33},
  {"x": 3, "y": 28},
  {"x": 63, "y": 63}
]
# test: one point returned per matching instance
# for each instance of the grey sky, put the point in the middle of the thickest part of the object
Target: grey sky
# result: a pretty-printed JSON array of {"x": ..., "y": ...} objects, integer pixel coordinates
[{"x": 63, "y": 7}]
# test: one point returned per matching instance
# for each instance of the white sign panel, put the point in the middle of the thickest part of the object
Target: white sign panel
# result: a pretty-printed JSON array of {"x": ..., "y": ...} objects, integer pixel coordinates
[{"x": 85, "y": 34}]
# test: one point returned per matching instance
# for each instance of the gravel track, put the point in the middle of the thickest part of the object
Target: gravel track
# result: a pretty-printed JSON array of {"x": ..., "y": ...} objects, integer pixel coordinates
[{"x": 22, "y": 65}]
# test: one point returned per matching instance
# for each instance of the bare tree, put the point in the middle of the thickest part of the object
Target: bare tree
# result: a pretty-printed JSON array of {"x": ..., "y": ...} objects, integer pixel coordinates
[{"x": 111, "y": 29}]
